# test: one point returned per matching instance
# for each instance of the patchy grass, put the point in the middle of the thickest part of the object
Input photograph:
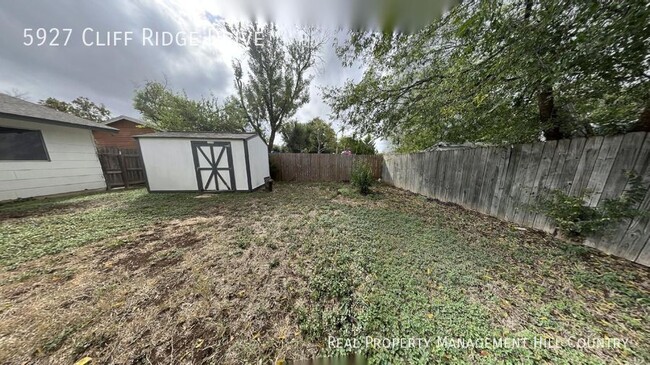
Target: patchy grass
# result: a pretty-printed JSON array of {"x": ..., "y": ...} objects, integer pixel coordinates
[{"x": 131, "y": 277}]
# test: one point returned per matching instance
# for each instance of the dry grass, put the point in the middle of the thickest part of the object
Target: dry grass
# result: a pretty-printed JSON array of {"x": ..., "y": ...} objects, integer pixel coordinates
[
  {"x": 176, "y": 291},
  {"x": 253, "y": 278}
]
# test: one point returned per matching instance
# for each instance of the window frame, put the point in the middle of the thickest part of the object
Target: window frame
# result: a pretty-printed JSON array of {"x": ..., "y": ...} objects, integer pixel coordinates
[{"x": 40, "y": 134}]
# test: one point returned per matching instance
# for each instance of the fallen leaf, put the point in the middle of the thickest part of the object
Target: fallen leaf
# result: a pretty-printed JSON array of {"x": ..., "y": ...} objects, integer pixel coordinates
[{"x": 84, "y": 361}]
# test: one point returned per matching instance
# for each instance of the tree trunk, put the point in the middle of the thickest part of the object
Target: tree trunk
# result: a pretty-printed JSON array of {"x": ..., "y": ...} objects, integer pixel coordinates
[
  {"x": 548, "y": 115},
  {"x": 271, "y": 140},
  {"x": 643, "y": 124}
]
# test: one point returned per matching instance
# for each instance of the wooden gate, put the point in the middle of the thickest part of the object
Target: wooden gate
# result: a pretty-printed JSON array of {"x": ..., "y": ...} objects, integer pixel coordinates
[{"x": 122, "y": 167}]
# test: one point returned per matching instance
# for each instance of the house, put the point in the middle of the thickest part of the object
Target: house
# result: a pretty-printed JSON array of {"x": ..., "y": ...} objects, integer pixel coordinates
[
  {"x": 127, "y": 128},
  {"x": 204, "y": 162},
  {"x": 44, "y": 151}
]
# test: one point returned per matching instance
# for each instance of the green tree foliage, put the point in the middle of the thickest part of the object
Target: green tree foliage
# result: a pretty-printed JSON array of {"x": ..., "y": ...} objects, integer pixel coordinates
[
  {"x": 503, "y": 72},
  {"x": 322, "y": 138},
  {"x": 81, "y": 107},
  {"x": 316, "y": 136},
  {"x": 174, "y": 111},
  {"x": 276, "y": 82},
  {"x": 295, "y": 136},
  {"x": 358, "y": 146}
]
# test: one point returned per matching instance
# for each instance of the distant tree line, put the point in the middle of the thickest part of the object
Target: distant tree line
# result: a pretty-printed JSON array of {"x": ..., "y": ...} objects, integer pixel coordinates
[
  {"x": 81, "y": 107},
  {"x": 318, "y": 136}
]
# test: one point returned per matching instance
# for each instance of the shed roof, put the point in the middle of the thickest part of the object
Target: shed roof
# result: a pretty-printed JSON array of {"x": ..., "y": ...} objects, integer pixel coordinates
[
  {"x": 11, "y": 107},
  {"x": 197, "y": 135}
]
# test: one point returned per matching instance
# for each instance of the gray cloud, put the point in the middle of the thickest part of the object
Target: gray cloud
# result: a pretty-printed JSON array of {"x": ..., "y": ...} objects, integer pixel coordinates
[
  {"x": 106, "y": 74},
  {"x": 110, "y": 74}
]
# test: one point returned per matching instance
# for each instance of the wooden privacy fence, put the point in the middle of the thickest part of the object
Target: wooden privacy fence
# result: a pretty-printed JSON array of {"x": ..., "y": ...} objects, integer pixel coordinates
[
  {"x": 122, "y": 167},
  {"x": 505, "y": 182},
  {"x": 320, "y": 167}
]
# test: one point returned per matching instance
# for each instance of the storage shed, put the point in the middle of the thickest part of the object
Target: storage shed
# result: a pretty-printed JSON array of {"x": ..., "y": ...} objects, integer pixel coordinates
[{"x": 205, "y": 162}]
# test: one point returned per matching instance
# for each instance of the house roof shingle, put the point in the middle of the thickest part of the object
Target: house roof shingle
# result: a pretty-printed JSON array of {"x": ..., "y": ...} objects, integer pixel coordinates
[
  {"x": 11, "y": 107},
  {"x": 124, "y": 117}
]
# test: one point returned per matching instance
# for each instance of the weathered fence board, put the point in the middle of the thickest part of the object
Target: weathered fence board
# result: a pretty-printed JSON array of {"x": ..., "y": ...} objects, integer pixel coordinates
[
  {"x": 122, "y": 167},
  {"x": 546, "y": 157},
  {"x": 305, "y": 167},
  {"x": 552, "y": 180},
  {"x": 508, "y": 182}
]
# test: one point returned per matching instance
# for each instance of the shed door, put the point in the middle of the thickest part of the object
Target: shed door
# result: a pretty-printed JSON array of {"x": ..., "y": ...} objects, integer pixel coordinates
[{"x": 213, "y": 165}]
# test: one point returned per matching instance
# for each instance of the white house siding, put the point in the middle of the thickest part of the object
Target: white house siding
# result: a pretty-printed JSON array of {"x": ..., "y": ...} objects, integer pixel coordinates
[
  {"x": 73, "y": 164},
  {"x": 259, "y": 161},
  {"x": 170, "y": 165}
]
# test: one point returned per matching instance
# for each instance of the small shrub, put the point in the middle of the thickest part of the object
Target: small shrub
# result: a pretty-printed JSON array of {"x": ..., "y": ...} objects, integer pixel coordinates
[
  {"x": 575, "y": 219},
  {"x": 243, "y": 243},
  {"x": 362, "y": 177},
  {"x": 274, "y": 263}
]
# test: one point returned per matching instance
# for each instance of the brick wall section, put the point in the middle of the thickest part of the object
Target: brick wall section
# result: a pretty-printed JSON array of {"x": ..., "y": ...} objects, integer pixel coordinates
[{"x": 123, "y": 138}]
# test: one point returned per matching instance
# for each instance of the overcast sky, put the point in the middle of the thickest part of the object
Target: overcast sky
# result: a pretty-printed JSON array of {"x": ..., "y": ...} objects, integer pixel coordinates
[{"x": 109, "y": 74}]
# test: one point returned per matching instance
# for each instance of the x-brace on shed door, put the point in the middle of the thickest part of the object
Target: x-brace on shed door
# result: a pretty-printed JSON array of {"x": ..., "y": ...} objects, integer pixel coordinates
[{"x": 213, "y": 164}]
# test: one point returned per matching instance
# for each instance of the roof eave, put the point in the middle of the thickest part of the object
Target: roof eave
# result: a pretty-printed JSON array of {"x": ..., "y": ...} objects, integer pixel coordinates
[{"x": 57, "y": 122}]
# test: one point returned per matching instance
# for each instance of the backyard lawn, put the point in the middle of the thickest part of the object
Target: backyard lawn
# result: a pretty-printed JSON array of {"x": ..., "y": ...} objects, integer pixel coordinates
[{"x": 135, "y": 278}]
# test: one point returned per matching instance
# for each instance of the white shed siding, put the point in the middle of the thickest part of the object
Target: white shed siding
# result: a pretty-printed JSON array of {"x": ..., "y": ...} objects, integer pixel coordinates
[
  {"x": 239, "y": 164},
  {"x": 170, "y": 165},
  {"x": 259, "y": 161},
  {"x": 73, "y": 164}
]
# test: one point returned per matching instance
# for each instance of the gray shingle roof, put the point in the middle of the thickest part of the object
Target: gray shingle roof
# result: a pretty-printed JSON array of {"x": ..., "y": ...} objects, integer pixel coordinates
[
  {"x": 197, "y": 135},
  {"x": 124, "y": 117},
  {"x": 21, "y": 109}
]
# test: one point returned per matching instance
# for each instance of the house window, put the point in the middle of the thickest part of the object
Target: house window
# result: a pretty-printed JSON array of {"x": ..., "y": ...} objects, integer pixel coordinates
[{"x": 22, "y": 144}]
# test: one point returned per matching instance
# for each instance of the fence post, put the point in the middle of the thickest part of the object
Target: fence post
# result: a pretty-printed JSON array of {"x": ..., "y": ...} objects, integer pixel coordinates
[{"x": 125, "y": 177}]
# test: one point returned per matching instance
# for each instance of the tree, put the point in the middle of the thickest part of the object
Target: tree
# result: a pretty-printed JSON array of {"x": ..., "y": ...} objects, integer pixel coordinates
[
  {"x": 321, "y": 136},
  {"x": 81, "y": 107},
  {"x": 502, "y": 72},
  {"x": 277, "y": 81},
  {"x": 316, "y": 136},
  {"x": 295, "y": 136},
  {"x": 17, "y": 93},
  {"x": 174, "y": 111},
  {"x": 358, "y": 146}
]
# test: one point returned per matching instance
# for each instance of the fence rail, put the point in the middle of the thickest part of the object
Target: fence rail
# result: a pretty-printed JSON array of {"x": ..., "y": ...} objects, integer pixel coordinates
[
  {"x": 505, "y": 182},
  {"x": 122, "y": 167},
  {"x": 303, "y": 167}
]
